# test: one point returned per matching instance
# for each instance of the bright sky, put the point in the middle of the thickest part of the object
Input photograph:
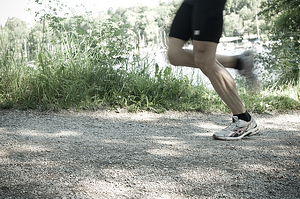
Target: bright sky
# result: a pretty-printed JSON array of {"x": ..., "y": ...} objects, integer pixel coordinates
[{"x": 17, "y": 8}]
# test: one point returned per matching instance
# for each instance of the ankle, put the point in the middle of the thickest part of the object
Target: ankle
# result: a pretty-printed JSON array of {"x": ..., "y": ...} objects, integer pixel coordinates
[
  {"x": 238, "y": 65},
  {"x": 245, "y": 116}
]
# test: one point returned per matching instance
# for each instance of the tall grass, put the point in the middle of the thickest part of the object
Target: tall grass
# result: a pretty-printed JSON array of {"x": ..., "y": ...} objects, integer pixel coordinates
[{"x": 96, "y": 71}]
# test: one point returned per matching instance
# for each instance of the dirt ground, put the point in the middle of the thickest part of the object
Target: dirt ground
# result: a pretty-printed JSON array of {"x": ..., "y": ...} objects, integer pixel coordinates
[{"x": 105, "y": 154}]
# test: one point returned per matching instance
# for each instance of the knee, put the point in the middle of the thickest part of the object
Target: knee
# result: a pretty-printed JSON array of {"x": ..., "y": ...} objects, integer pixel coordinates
[
  {"x": 204, "y": 63},
  {"x": 205, "y": 56}
]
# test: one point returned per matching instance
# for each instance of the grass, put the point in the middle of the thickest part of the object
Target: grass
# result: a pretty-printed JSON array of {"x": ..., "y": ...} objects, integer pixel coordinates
[
  {"x": 73, "y": 77},
  {"x": 54, "y": 86}
]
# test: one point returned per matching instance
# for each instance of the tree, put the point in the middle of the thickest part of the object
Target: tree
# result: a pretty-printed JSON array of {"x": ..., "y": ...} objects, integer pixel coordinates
[
  {"x": 165, "y": 14},
  {"x": 17, "y": 33},
  {"x": 17, "y": 27},
  {"x": 232, "y": 22},
  {"x": 34, "y": 38},
  {"x": 15, "y": 24},
  {"x": 241, "y": 15},
  {"x": 285, "y": 34}
]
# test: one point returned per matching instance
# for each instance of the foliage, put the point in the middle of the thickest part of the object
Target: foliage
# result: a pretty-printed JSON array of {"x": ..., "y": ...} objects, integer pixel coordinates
[
  {"x": 241, "y": 16},
  {"x": 285, "y": 37},
  {"x": 15, "y": 25},
  {"x": 151, "y": 23},
  {"x": 86, "y": 62}
]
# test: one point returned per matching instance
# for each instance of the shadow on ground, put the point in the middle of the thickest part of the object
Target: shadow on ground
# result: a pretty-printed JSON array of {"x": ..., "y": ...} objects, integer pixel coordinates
[{"x": 145, "y": 155}]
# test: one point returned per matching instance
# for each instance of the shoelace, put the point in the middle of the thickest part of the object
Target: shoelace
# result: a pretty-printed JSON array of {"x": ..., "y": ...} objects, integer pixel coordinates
[{"x": 232, "y": 126}]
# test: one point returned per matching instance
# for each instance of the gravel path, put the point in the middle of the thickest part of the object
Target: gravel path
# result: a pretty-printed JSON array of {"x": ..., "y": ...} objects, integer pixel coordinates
[{"x": 105, "y": 154}]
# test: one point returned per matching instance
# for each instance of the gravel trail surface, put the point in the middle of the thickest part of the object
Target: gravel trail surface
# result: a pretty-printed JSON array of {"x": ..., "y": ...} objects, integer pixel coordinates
[{"x": 105, "y": 154}]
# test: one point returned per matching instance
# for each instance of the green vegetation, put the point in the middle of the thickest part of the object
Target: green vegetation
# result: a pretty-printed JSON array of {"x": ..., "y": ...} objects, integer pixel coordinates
[
  {"x": 284, "y": 32},
  {"x": 86, "y": 62}
]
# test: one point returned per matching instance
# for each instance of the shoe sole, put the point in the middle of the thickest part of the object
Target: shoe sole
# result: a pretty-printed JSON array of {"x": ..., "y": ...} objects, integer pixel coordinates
[{"x": 252, "y": 132}]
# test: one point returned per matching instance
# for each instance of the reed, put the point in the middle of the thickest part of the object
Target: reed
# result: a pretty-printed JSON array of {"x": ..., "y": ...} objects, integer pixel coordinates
[{"x": 99, "y": 70}]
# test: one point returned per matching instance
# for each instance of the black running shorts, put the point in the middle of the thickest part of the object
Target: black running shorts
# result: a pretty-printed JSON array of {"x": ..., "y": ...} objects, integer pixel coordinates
[{"x": 200, "y": 20}]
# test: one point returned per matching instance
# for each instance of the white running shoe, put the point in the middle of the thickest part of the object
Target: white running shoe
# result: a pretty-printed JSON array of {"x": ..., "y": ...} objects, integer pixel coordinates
[{"x": 237, "y": 130}]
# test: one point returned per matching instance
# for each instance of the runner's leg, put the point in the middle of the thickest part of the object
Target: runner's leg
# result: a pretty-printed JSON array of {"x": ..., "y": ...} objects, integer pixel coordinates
[
  {"x": 184, "y": 57},
  {"x": 222, "y": 81}
]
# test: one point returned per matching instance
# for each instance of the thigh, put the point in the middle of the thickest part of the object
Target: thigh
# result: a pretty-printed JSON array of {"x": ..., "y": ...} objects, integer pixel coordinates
[
  {"x": 207, "y": 20},
  {"x": 175, "y": 43},
  {"x": 181, "y": 27},
  {"x": 205, "y": 52}
]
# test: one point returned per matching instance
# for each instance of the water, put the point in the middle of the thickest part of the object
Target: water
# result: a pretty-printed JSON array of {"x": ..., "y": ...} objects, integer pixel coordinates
[
  {"x": 196, "y": 76},
  {"x": 193, "y": 74},
  {"x": 160, "y": 57}
]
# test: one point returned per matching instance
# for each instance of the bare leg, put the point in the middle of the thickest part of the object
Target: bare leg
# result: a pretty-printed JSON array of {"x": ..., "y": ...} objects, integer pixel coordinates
[
  {"x": 228, "y": 61},
  {"x": 178, "y": 56},
  {"x": 223, "y": 83},
  {"x": 204, "y": 57},
  {"x": 185, "y": 57}
]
